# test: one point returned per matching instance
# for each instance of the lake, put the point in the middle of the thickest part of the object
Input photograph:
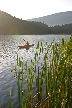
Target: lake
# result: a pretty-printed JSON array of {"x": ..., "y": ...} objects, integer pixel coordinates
[{"x": 8, "y": 53}]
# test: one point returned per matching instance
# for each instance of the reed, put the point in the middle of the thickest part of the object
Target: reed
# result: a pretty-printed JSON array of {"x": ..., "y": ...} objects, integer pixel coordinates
[{"x": 51, "y": 72}]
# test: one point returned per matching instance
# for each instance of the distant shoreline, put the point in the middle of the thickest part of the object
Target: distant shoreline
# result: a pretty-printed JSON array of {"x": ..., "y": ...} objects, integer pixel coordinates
[
  {"x": 10, "y": 25},
  {"x": 32, "y": 34}
]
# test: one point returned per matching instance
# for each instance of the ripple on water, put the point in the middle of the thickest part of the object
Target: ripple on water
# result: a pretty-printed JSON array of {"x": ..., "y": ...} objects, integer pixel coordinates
[{"x": 7, "y": 83}]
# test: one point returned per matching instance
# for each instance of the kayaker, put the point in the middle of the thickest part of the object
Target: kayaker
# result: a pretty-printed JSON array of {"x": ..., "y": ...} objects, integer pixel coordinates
[{"x": 27, "y": 43}]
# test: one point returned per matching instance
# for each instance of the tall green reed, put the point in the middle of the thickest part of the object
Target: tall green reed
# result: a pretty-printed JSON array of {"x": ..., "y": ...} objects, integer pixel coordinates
[{"x": 51, "y": 70}]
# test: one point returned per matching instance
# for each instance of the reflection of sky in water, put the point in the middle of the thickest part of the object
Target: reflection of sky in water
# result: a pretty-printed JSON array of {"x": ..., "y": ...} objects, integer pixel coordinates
[{"x": 9, "y": 50}]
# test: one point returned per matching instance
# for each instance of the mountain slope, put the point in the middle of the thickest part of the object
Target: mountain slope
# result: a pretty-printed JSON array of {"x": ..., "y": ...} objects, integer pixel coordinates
[
  {"x": 55, "y": 19},
  {"x": 11, "y": 25}
]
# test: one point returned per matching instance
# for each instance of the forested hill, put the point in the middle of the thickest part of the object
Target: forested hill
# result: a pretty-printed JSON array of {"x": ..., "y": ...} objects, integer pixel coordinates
[
  {"x": 10, "y": 25},
  {"x": 55, "y": 19}
]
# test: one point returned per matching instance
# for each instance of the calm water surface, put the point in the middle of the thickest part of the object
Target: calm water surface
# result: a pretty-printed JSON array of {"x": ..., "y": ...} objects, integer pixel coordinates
[{"x": 8, "y": 51}]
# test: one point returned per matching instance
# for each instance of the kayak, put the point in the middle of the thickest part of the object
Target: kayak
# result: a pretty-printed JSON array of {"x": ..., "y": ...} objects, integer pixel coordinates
[{"x": 25, "y": 46}]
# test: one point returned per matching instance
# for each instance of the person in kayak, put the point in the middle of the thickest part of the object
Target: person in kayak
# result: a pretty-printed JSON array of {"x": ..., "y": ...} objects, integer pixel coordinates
[{"x": 27, "y": 43}]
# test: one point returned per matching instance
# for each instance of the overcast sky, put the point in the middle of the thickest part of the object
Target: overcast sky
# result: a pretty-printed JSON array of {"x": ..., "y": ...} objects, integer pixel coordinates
[{"x": 27, "y": 9}]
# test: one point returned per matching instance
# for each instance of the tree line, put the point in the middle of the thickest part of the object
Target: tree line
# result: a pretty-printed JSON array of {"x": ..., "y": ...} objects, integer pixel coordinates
[{"x": 10, "y": 25}]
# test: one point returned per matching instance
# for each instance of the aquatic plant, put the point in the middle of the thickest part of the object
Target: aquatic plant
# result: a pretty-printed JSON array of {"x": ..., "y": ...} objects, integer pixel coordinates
[{"x": 48, "y": 77}]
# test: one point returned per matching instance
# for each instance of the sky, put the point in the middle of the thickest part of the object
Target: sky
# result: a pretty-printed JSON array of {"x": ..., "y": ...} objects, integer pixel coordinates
[{"x": 28, "y": 9}]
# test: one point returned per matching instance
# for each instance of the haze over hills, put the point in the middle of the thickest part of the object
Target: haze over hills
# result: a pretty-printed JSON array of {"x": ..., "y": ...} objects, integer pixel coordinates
[
  {"x": 55, "y": 19},
  {"x": 10, "y": 25}
]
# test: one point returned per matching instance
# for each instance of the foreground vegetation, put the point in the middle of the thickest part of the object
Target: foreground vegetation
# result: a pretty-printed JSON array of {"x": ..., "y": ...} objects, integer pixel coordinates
[{"x": 48, "y": 77}]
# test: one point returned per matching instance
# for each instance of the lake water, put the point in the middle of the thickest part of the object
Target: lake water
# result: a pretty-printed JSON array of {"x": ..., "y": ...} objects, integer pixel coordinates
[{"x": 8, "y": 51}]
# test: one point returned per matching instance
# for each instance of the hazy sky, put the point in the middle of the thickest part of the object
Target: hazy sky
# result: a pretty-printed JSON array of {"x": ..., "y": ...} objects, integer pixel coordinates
[{"x": 27, "y": 9}]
